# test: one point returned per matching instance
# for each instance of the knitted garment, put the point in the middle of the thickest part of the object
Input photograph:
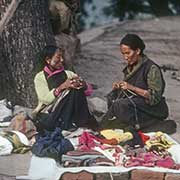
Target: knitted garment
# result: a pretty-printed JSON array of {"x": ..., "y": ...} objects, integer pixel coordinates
[{"x": 112, "y": 134}]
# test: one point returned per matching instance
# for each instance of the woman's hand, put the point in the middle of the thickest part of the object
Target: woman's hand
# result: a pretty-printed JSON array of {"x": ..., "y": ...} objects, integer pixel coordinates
[
  {"x": 122, "y": 85},
  {"x": 115, "y": 85},
  {"x": 73, "y": 83},
  {"x": 126, "y": 86},
  {"x": 78, "y": 82},
  {"x": 67, "y": 84},
  {"x": 133, "y": 89}
]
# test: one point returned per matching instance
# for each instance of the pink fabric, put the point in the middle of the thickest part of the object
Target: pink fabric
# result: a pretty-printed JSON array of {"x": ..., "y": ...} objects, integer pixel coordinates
[
  {"x": 89, "y": 90},
  {"x": 150, "y": 159},
  {"x": 149, "y": 156},
  {"x": 167, "y": 162},
  {"x": 87, "y": 141},
  {"x": 147, "y": 159},
  {"x": 51, "y": 73}
]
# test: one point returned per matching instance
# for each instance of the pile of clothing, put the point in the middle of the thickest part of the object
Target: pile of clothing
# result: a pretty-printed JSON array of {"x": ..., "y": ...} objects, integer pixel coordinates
[{"x": 110, "y": 147}]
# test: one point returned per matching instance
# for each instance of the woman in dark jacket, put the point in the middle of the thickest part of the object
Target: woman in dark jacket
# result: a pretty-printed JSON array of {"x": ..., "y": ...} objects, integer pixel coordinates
[{"x": 138, "y": 99}]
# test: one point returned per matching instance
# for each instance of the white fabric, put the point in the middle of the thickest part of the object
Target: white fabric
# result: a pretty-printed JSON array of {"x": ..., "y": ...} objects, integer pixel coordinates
[
  {"x": 4, "y": 124},
  {"x": 48, "y": 169},
  {"x": 43, "y": 168},
  {"x": 175, "y": 152},
  {"x": 109, "y": 153},
  {"x": 5, "y": 146},
  {"x": 22, "y": 137},
  {"x": 4, "y": 111},
  {"x": 74, "y": 142}
]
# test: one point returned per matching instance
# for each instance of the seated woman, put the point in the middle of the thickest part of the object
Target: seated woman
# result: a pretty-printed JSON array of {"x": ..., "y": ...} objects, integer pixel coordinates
[
  {"x": 61, "y": 95},
  {"x": 137, "y": 101}
]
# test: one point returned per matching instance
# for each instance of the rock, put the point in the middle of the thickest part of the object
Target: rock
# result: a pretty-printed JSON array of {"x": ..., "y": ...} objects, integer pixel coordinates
[
  {"x": 175, "y": 76},
  {"x": 20, "y": 109},
  {"x": 97, "y": 106}
]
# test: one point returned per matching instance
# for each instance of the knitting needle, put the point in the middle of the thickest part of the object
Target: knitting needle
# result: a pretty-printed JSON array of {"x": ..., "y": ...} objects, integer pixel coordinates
[{"x": 131, "y": 92}]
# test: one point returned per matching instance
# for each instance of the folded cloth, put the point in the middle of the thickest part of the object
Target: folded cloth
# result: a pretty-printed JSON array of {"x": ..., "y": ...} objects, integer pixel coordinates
[
  {"x": 112, "y": 134},
  {"x": 6, "y": 146}
]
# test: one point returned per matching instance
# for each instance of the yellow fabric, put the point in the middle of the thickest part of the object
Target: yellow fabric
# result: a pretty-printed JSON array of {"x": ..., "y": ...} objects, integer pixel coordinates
[
  {"x": 160, "y": 141},
  {"x": 120, "y": 137}
]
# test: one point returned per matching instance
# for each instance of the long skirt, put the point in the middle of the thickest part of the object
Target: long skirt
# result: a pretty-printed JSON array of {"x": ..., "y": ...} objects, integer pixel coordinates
[
  {"x": 133, "y": 112},
  {"x": 68, "y": 112}
]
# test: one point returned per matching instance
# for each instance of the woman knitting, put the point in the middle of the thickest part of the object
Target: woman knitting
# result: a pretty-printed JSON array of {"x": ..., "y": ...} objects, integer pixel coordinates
[
  {"x": 61, "y": 95},
  {"x": 138, "y": 99}
]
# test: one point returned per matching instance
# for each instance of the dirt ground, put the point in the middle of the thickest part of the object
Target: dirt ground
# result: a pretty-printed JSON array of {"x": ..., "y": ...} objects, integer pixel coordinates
[{"x": 100, "y": 61}]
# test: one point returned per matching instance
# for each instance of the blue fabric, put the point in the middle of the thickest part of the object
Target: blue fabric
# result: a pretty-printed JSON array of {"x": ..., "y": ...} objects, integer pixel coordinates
[{"x": 51, "y": 144}]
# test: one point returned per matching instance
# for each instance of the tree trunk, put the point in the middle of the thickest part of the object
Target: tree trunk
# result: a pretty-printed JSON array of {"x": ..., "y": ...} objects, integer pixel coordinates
[{"x": 28, "y": 31}]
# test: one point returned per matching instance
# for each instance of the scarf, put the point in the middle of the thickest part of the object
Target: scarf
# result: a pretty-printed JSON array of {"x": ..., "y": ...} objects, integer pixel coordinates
[{"x": 54, "y": 78}]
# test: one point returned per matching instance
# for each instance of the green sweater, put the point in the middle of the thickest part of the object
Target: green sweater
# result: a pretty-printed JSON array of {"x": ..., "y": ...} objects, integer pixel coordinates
[{"x": 45, "y": 96}]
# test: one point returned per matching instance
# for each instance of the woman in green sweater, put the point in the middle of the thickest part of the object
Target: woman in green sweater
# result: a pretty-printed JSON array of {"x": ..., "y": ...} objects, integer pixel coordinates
[
  {"x": 137, "y": 100},
  {"x": 61, "y": 94}
]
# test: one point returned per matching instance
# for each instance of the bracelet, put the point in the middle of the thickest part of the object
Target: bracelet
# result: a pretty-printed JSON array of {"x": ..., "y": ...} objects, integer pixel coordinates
[{"x": 56, "y": 92}]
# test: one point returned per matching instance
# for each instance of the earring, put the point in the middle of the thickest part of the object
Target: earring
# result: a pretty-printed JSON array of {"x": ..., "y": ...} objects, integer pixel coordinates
[{"x": 138, "y": 52}]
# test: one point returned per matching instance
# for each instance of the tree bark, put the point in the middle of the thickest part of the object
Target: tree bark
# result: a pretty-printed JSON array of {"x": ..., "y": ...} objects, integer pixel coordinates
[{"x": 28, "y": 31}]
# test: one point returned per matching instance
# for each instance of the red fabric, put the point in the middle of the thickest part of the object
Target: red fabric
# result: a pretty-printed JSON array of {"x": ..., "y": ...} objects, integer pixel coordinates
[
  {"x": 88, "y": 141},
  {"x": 112, "y": 141},
  {"x": 143, "y": 136}
]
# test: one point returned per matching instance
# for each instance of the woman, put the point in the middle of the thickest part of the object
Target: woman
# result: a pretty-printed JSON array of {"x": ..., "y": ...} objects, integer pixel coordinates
[
  {"x": 61, "y": 95},
  {"x": 138, "y": 99}
]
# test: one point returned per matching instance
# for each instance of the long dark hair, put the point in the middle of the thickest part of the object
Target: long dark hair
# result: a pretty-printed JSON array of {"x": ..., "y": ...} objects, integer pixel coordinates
[{"x": 47, "y": 52}]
